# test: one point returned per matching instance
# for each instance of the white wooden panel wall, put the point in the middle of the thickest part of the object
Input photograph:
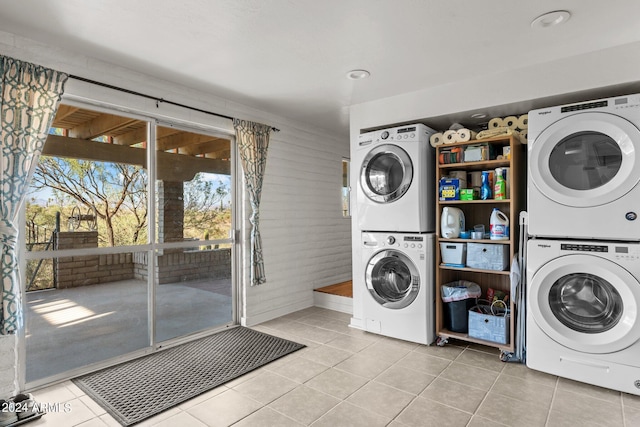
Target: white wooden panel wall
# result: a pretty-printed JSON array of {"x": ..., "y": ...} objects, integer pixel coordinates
[{"x": 306, "y": 241}]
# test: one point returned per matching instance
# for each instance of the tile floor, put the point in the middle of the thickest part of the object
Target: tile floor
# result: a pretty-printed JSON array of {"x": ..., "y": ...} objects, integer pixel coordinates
[{"x": 347, "y": 377}]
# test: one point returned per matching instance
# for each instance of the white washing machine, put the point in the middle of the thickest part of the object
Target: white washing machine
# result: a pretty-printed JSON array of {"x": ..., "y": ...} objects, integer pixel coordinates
[
  {"x": 583, "y": 311},
  {"x": 396, "y": 190},
  {"x": 584, "y": 170},
  {"x": 399, "y": 277}
]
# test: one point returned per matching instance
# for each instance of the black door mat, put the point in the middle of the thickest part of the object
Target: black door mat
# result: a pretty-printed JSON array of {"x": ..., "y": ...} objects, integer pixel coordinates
[{"x": 138, "y": 389}]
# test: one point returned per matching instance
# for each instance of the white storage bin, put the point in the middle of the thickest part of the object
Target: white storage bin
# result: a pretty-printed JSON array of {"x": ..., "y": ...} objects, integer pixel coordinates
[
  {"x": 453, "y": 254},
  {"x": 487, "y": 256}
]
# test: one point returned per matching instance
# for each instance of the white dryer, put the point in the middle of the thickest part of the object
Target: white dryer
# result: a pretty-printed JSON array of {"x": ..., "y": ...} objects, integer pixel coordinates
[
  {"x": 396, "y": 190},
  {"x": 584, "y": 170},
  {"x": 399, "y": 277},
  {"x": 583, "y": 311}
]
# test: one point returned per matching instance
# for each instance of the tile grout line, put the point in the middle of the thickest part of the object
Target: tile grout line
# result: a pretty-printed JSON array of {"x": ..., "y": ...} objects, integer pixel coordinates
[{"x": 553, "y": 398}]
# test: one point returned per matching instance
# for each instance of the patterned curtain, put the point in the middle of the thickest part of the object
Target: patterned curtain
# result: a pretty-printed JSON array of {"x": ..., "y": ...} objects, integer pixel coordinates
[
  {"x": 29, "y": 99},
  {"x": 253, "y": 141}
]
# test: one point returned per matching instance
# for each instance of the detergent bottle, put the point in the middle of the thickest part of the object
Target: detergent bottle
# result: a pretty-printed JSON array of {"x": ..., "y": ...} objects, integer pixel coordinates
[
  {"x": 498, "y": 225},
  {"x": 500, "y": 187},
  {"x": 485, "y": 189}
]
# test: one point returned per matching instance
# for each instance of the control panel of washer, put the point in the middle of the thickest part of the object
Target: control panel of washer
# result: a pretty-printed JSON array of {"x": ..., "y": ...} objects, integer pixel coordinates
[
  {"x": 619, "y": 253},
  {"x": 626, "y": 253},
  {"x": 583, "y": 248}
]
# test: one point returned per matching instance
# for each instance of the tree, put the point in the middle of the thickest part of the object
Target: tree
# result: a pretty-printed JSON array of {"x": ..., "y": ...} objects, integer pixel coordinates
[
  {"x": 104, "y": 188},
  {"x": 204, "y": 209}
]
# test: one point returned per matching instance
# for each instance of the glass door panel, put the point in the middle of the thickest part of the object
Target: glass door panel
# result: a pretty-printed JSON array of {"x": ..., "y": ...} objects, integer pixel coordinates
[
  {"x": 194, "y": 256},
  {"x": 85, "y": 234}
]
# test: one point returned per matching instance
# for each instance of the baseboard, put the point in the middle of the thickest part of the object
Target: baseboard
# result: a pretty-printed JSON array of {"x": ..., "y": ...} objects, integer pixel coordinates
[
  {"x": 272, "y": 314},
  {"x": 356, "y": 324},
  {"x": 333, "y": 302}
]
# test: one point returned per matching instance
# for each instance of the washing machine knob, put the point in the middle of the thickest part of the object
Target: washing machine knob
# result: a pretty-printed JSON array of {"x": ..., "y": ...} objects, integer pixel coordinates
[
  {"x": 384, "y": 135},
  {"x": 391, "y": 240}
]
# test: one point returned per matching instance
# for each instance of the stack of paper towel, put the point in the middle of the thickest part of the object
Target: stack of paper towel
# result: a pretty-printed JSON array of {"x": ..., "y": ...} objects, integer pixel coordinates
[
  {"x": 519, "y": 125},
  {"x": 452, "y": 135}
]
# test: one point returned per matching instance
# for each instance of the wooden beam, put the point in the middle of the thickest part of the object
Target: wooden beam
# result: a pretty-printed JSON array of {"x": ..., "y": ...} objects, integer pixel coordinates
[
  {"x": 215, "y": 144},
  {"x": 63, "y": 112},
  {"x": 181, "y": 139},
  {"x": 131, "y": 138},
  {"x": 101, "y": 125},
  {"x": 170, "y": 167}
]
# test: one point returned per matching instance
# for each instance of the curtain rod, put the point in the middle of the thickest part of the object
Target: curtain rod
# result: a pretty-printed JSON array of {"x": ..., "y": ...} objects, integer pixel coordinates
[{"x": 155, "y": 98}]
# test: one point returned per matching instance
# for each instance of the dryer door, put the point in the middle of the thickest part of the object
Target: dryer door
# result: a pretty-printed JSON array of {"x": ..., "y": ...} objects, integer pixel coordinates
[
  {"x": 386, "y": 173},
  {"x": 586, "y": 303},
  {"x": 392, "y": 279},
  {"x": 588, "y": 159}
]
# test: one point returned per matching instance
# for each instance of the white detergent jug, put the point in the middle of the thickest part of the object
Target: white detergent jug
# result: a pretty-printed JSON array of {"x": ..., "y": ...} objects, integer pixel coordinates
[
  {"x": 451, "y": 222},
  {"x": 498, "y": 225}
]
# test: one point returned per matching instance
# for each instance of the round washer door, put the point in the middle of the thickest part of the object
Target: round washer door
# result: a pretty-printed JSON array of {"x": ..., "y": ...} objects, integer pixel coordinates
[
  {"x": 392, "y": 279},
  {"x": 588, "y": 159},
  {"x": 586, "y": 303},
  {"x": 386, "y": 173}
]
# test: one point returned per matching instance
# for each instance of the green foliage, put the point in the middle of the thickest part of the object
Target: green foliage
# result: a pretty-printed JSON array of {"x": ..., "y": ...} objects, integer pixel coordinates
[{"x": 117, "y": 194}]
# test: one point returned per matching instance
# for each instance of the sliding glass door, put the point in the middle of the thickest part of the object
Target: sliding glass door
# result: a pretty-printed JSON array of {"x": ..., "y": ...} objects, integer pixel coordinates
[{"x": 127, "y": 242}]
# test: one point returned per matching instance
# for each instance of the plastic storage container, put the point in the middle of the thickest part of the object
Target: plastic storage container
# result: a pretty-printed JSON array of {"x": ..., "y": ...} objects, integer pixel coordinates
[
  {"x": 453, "y": 254},
  {"x": 487, "y": 256}
]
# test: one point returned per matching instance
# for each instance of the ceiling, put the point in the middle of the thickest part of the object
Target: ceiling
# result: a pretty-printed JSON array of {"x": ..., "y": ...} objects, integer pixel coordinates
[{"x": 290, "y": 57}]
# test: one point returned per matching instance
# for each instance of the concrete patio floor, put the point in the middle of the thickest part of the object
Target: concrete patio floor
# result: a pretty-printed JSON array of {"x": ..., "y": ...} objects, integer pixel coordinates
[{"x": 71, "y": 328}]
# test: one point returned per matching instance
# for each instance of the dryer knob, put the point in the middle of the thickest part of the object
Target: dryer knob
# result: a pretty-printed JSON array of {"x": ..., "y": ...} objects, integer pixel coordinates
[
  {"x": 384, "y": 135},
  {"x": 391, "y": 240}
]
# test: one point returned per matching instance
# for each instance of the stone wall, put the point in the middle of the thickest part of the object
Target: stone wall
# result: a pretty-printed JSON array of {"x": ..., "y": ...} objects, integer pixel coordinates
[
  {"x": 185, "y": 266},
  {"x": 176, "y": 265},
  {"x": 71, "y": 272}
]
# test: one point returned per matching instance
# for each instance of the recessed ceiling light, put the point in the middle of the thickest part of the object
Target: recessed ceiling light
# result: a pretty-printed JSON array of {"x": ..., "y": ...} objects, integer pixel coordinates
[
  {"x": 551, "y": 19},
  {"x": 358, "y": 74},
  {"x": 478, "y": 116}
]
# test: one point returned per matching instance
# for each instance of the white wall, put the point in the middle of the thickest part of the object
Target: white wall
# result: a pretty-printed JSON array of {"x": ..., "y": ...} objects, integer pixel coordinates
[
  {"x": 586, "y": 72},
  {"x": 306, "y": 241}
]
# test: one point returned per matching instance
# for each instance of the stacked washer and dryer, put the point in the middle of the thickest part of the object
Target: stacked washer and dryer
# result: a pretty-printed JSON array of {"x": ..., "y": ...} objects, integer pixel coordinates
[
  {"x": 395, "y": 204},
  {"x": 583, "y": 255}
]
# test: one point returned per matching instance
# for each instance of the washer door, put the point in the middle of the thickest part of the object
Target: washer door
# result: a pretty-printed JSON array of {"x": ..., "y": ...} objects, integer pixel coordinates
[
  {"x": 588, "y": 159},
  {"x": 586, "y": 303},
  {"x": 392, "y": 279},
  {"x": 386, "y": 173}
]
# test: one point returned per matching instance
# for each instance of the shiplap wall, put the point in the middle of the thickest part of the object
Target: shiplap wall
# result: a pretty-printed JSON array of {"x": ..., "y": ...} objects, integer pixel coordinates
[{"x": 306, "y": 241}]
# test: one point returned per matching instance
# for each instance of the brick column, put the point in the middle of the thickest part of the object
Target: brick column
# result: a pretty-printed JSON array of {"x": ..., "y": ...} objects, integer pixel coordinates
[
  {"x": 78, "y": 270},
  {"x": 170, "y": 211}
]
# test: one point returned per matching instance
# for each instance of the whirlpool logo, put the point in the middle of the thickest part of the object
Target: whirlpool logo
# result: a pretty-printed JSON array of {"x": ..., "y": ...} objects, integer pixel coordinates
[
  {"x": 543, "y": 245},
  {"x": 542, "y": 113}
]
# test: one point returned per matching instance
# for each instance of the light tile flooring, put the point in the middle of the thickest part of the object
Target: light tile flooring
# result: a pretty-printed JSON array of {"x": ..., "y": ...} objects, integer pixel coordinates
[{"x": 347, "y": 377}]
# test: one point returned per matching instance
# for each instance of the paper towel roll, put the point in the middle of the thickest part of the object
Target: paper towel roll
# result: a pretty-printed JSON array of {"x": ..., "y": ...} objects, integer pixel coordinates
[
  {"x": 476, "y": 179},
  {"x": 462, "y": 177},
  {"x": 450, "y": 136},
  {"x": 496, "y": 122},
  {"x": 523, "y": 122},
  {"x": 436, "y": 139},
  {"x": 511, "y": 122},
  {"x": 523, "y": 135},
  {"x": 465, "y": 135}
]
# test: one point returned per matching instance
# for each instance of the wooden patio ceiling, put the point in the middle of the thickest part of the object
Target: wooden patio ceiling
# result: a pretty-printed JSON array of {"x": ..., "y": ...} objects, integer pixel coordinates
[{"x": 97, "y": 136}]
